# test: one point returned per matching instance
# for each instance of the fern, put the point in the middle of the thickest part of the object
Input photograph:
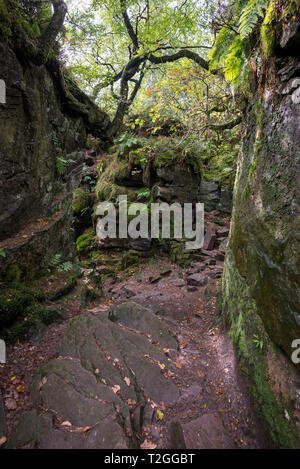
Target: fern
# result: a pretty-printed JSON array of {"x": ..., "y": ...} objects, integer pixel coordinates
[
  {"x": 250, "y": 15},
  {"x": 235, "y": 60},
  {"x": 232, "y": 50},
  {"x": 222, "y": 45},
  {"x": 61, "y": 164},
  {"x": 65, "y": 267},
  {"x": 54, "y": 262}
]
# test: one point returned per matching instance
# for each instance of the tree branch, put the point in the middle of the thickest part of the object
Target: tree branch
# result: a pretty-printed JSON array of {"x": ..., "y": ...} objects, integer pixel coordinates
[
  {"x": 40, "y": 54},
  {"x": 228, "y": 125},
  {"x": 183, "y": 53},
  {"x": 129, "y": 27}
]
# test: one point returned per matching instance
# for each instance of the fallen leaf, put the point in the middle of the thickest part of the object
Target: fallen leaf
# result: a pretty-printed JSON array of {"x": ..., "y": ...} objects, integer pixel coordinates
[
  {"x": 3, "y": 440},
  {"x": 127, "y": 381},
  {"x": 226, "y": 370},
  {"x": 160, "y": 414},
  {"x": 66, "y": 424},
  {"x": 177, "y": 364},
  {"x": 116, "y": 388},
  {"x": 147, "y": 444},
  {"x": 21, "y": 388}
]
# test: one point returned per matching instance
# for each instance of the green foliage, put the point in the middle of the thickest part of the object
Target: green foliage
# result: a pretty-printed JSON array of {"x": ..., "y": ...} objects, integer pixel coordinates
[
  {"x": 28, "y": 16},
  {"x": 258, "y": 342},
  {"x": 144, "y": 194},
  {"x": 2, "y": 252},
  {"x": 126, "y": 142},
  {"x": 250, "y": 15},
  {"x": 65, "y": 267},
  {"x": 57, "y": 264},
  {"x": 62, "y": 164},
  {"x": 232, "y": 50},
  {"x": 236, "y": 60},
  {"x": 220, "y": 51}
]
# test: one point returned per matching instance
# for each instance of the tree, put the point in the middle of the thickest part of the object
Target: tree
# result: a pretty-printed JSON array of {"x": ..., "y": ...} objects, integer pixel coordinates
[{"x": 131, "y": 37}]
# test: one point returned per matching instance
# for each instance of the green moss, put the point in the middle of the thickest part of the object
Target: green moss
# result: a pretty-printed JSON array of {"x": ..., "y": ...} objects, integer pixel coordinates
[
  {"x": 81, "y": 201},
  {"x": 268, "y": 32},
  {"x": 111, "y": 172},
  {"x": 14, "y": 273},
  {"x": 5, "y": 24},
  {"x": 86, "y": 242},
  {"x": 129, "y": 260},
  {"x": 20, "y": 310}
]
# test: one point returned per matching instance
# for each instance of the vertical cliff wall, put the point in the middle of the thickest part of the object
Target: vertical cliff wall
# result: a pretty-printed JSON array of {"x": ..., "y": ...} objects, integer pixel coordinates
[
  {"x": 261, "y": 282},
  {"x": 41, "y": 155}
]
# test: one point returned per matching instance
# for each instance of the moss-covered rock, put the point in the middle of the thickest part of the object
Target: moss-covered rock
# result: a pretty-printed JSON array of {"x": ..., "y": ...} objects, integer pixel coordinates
[
  {"x": 82, "y": 200},
  {"x": 271, "y": 379},
  {"x": 86, "y": 242},
  {"x": 261, "y": 283}
]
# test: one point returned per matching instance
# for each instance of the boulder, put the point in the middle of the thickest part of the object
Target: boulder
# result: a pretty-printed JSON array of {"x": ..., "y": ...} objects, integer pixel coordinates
[
  {"x": 106, "y": 371},
  {"x": 197, "y": 280}
]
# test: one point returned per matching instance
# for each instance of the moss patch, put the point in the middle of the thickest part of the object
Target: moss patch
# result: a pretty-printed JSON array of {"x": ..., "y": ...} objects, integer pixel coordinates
[{"x": 86, "y": 242}]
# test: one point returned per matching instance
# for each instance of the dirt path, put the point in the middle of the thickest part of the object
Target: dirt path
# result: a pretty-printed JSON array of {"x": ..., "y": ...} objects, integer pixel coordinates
[{"x": 213, "y": 410}]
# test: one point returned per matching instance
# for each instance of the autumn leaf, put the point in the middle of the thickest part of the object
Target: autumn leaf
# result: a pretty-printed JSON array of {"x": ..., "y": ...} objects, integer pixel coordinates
[
  {"x": 147, "y": 444},
  {"x": 127, "y": 381},
  {"x": 177, "y": 364},
  {"x": 116, "y": 388},
  {"x": 160, "y": 414}
]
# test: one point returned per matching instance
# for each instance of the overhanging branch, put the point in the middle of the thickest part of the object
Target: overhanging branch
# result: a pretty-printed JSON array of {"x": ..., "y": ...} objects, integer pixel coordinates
[{"x": 227, "y": 125}]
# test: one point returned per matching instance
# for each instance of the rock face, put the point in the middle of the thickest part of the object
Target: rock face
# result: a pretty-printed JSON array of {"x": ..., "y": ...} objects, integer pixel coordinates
[
  {"x": 210, "y": 193},
  {"x": 35, "y": 198},
  {"x": 98, "y": 392},
  {"x": 261, "y": 282}
]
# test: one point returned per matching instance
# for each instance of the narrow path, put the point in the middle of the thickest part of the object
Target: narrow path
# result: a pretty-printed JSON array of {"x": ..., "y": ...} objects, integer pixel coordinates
[{"x": 213, "y": 409}]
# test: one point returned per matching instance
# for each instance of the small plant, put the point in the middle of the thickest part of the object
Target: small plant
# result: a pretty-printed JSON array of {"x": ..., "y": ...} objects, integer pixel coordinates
[
  {"x": 62, "y": 164},
  {"x": 61, "y": 267},
  {"x": 55, "y": 261},
  {"x": 144, "y": 194},
  {"x": 2, "y": 253},
  {"x": 65, "y": 267},
  {"x": 126, "y": 142},
  {"x": 258, "y": 342}
]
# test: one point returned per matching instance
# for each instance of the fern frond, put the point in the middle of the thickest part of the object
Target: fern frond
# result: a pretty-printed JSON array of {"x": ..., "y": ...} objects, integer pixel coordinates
[
  {"x": 236, "y": 60},
  {"x": 250, "y": 15},
  {"x": 220, "y": 50}
]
